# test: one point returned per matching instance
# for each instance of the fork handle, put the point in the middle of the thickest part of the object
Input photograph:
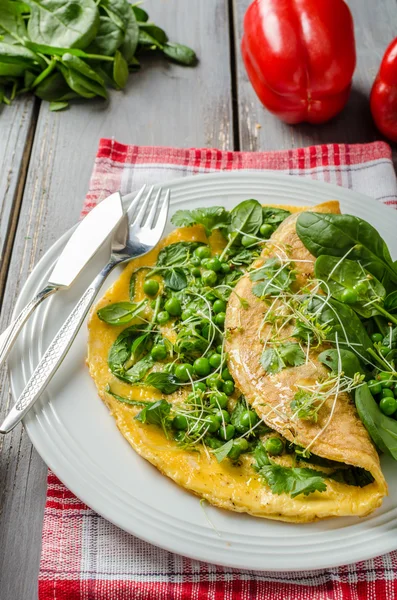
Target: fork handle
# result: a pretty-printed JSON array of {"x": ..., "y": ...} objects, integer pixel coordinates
[
  {"x": 54, "y": 354},
  {"x": 9, "y": 335}
]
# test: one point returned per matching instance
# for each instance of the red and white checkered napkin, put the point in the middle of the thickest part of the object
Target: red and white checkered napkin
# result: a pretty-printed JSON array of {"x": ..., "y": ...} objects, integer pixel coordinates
[{"x": 85, "y": 557}]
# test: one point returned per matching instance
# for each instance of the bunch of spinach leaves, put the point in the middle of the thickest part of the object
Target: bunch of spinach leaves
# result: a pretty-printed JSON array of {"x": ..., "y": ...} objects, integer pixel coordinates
[{"x": 75, "y": 48}]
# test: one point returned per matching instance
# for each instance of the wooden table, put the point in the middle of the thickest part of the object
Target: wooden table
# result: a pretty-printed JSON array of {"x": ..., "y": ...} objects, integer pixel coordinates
[{"x": 46, "y": 160}]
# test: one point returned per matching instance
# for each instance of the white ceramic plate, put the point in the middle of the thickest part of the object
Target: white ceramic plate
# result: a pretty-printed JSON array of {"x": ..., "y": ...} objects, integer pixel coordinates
[{"x": 75, "y": 435}]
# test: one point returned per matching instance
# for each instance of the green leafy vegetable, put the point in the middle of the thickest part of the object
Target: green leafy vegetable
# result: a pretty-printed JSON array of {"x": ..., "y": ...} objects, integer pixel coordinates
[
  {"x": 138, "y": 371},
  {"x": 246, "y": 219},
  {"x": 120, "y": 313},
  {"x": 273, "y": 277},
  {"x": 175, "y": 279},
  {"x": 105, "y": 36},
  {"x": 176, "y": 254},
  {"x": 222, "y": 452},
  {"x": 339, "y": 235},
  {"x": 347, "y": 360},
  {"x": 214, "y": 217},
  {"x": 274, "y": 216},
  {"x": 156, "y": 414},
  {"x": 128, "y": 357},
  {"x": 391, "y": 302},
  {"x": 287, "y": 480},
  {"x": 279, "y": 356},
  {"x": 382, "y": 429},
  {"x": 163, "y": 381},
  {"x": 124, "y": 400}
]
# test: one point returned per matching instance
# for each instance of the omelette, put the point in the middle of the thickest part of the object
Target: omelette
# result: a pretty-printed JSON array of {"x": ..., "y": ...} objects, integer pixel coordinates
[{"x": 327, "y": 466}]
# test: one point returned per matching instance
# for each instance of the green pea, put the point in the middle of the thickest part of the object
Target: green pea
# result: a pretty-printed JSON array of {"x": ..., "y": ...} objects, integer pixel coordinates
[
  {"x": 219, "y": 349},
  {"x": 388, "y": 406},
  {"x": 274, "y": 446},
  {"x": 214, "y": 264},
  {"x": 248, "y": 240},
  {"x": 209, "y": 278},
  {"x": 215, "y": 360},
  {"x": 212, "y": 422},
  {"x": 384, "y": 350},
  {"x": 219, "y": 400},
  {"x": 184, "y": 372},
  {"x": 180, "y": 422},
  {"x": 228, "y": 388},
  {"x": 266, "y": 230},
  {"x": 249, "y": 418},
  {"x": 387, "y": 393},
  {"x": 226, "y": 375},
  {"x": 226, "y": 432},
  {"x": 220, "y": 319},
  {"x": 163, "y": 317},
  {"x": 219, "y": 306},
  {"x": 158, "y": 352},
  {"x": 374, "y": 386},
  {"x": 223, "y": 416},
  {"x": 202, "y": 252},
  {"x": 200, "y": 386},
  {"x": 196, "y": 272},
  {"x": 151, "y": 287},
  {"x": 213, "y": 381},
  {"x": 349, "y": 296},
  {"x": 196, "y": 261},
  {"x": 225, "y": 268},
  {"x": 202, "y": 367},
  {"x": 187, "y": 313},
  {"x": 173, "y": 306},
  {"x": 376, "y": 337},
  {"x": 386, "y": 379}
]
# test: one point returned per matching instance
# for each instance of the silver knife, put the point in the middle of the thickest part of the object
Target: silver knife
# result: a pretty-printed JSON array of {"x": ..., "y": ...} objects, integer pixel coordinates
[{"x": 82, "y": 245}]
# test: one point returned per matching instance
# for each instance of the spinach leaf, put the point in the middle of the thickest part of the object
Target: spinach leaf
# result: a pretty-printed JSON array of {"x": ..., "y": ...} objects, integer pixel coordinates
[
  {"x": 124, "y": 400},
  {"x": 382, "y": 429},
  {"x": 19, "y": 55},
  {"x": 155, "y": 32},
  {"x": 120, "y": 70},
  {"x": 350, "y": 283},
  {"x": 344, "y": 324},
  {"x": 222, "y": 452},
  {"x": 12, "y": 25},
  {"x": 180, "y": 53},
  {"x": 54, "y": 89},
  {"x": 273, "y": 278},
  {"x": 66, "y": 23},
  {"x": 390, "y": 340},
  {"x": 391, "y": 302},
  {"x": 349, "y": 363},
  {"x": 109, "y": 37},
  {"x": 279, "y": 356},
  {"x": 337, "y": 235},
  {"x": 140, "y": 14},
  {"x": 57, "y": 106},
  {"x": 175, "y": 279},
  {"x": 156, "y": 414},
  {"x": 120, "y": 351},
  {"x": 138, "y": 371},
  {"x": 287, "y": 480},
  {"x": 82, "y": 85},
  {"x": 274, "y": 216},
  {"x": 176, "y": 254},
  {"x": 120, "y": 313},
  {"x": 246, "y": 219},
  {"x": 214, "y": 217},
  {"x": 167, "y": 383}
]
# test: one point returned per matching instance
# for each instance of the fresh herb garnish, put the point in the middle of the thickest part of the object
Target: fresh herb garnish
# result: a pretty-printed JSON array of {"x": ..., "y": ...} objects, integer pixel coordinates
[
  {"x": 280, "y": 356},
  {"x": 214, "y": 217},
  {"x": 163, "y": 381},
  {"x": 120, "y": 313},
  {"x": 273, "y": 277}
]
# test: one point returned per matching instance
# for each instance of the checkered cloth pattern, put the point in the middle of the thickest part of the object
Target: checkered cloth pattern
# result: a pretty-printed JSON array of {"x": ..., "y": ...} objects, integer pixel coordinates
[{"x": 84, "y": 557}]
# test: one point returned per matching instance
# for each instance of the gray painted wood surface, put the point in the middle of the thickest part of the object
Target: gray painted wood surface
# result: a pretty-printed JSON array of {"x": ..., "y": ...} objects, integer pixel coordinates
[{"x": 45, "y": 184}]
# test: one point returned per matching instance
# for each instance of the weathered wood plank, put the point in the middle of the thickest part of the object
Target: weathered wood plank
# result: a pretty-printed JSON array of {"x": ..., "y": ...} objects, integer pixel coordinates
[
  {"x": 164, "y": 104},
  {"x": 260, "y": 130},
  {"x": 17, "y": 124}
]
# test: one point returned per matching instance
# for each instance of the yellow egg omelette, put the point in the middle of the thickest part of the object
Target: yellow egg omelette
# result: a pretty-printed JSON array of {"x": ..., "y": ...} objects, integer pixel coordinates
[{"x": 221, "y": 463}]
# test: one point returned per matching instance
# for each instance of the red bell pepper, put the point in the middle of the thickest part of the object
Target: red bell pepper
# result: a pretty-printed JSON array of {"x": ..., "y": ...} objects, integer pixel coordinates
[
  {"x": 300, "y": 56},
  {"x": 384, "y": 94}
]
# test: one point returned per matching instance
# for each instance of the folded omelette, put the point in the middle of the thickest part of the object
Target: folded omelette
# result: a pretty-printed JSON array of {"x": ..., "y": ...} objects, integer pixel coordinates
[{"x": 237, "y": 485}]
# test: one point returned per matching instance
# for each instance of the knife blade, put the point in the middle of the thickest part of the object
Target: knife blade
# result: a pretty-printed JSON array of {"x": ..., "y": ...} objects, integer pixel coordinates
[{"x": 86, "y": 239}]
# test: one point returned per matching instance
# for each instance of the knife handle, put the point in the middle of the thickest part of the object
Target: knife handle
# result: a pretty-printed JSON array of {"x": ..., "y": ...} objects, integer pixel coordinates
[
  {"x": 54, "y": 354},
  {"x": 8, "y": 337}
]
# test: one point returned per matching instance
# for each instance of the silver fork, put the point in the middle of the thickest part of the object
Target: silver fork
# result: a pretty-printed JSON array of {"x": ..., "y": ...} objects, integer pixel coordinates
[{"x": 128, "y": 242}]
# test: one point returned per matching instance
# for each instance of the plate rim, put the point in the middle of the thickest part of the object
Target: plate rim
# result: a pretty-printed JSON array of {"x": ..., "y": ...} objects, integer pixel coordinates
[{"x": 29, "y": 422}]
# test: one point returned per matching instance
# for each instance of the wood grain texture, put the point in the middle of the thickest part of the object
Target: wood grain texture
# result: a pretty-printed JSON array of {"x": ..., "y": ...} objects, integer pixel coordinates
[
  {"x": 17, "y": 125},
  {"x": 260, "y": 130},
  {"x": 164, "y": 104}
]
